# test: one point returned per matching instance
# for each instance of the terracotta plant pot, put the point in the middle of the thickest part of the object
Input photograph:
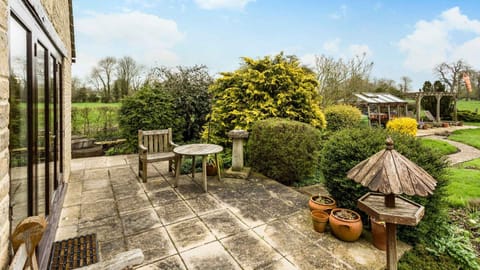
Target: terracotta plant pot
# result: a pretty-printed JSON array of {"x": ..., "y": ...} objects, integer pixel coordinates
[
  {"x": 346, "y": 224},
  {"x": 322, "y": 202},
  {"x": 211, "y": 170},
  {"x": 379, "y": 234},
  {"x": 319, "y": 219},
  {"x": 445, "y": 124}
]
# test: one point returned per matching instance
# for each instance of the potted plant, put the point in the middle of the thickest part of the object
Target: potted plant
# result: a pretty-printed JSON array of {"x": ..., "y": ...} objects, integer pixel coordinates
[
  {"x": 212, "y": 165},
  {"x": 319, "y": 220},
  {"x": 345, "y": 224},
  {"x": 379, "y": 233},
  {"x": 322, "y": 202}
]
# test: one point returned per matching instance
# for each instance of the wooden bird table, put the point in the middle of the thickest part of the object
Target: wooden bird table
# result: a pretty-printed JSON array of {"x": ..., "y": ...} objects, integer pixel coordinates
[{"x": 402, "y": 211}]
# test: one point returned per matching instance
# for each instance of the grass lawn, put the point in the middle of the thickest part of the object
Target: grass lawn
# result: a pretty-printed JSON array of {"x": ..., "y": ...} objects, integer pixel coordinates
[
  {"x": 467, "y": 136},
  {"x": 94, "y": 105},
  {"x": 470, "y": 105},
  {"x": 440, "y": 146},
  {"x": 464, "y": 183},
  {"x": 472, "y": 124}
]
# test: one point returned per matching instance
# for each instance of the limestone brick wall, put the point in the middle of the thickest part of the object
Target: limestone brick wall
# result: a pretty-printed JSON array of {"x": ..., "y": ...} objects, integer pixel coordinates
[
  {"x": 59, "y": 15},
  {"x": 4, "y": 139}
]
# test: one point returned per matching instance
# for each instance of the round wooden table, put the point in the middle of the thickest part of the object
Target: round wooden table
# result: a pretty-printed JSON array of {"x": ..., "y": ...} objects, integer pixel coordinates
[{"x": 198, "y": 149}]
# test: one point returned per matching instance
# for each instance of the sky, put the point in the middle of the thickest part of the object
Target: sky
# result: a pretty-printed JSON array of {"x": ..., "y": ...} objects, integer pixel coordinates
[{"x": 401, "y": 37}]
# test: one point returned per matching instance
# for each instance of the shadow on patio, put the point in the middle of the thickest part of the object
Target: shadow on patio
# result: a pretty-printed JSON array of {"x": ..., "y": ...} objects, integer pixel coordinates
[{"x": 239, "y": 224}]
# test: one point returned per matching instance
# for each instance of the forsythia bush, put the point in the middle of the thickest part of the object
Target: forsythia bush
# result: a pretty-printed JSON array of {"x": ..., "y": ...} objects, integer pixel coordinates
[
  {"x": 405, "y": 125},
  {"x": 277, "y": 86},
  {"x": 342, "y": 116}
]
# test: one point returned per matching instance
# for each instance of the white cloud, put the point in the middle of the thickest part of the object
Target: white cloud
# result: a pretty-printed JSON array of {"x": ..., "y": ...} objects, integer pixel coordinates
[
  {"x": 145, "y": 37},
  {"x": 340, "y": 13},
  {"x": 308, "y": 59},
  {"x": 432, "y": 42},
  {"x": 359, "y": 50},
  {"x": 222, "y": 4},
  {"x": 331, "y": 46}
]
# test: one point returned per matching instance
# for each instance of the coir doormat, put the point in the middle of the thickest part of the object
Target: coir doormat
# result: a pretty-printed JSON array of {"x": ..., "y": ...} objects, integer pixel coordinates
[{"x": 74, "y": 252}]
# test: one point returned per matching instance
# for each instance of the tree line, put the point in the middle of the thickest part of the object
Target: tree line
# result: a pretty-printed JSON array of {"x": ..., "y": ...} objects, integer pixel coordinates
[{"x": 112, "y": 79}]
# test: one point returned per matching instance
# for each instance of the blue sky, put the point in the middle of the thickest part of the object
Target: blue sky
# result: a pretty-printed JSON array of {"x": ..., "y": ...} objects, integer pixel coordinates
[{"x": 402, "y": 38}]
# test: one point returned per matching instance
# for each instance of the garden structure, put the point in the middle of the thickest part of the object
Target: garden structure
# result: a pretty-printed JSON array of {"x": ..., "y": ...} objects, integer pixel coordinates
[
  {"x": 392, "y": 174},
  {"x": 438, "y": 96},
  {"x": 384, "y": 106}
]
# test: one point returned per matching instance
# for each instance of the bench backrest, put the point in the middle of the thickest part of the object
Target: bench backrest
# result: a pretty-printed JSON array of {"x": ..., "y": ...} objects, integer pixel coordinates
[{"x": 156, "y": 140}]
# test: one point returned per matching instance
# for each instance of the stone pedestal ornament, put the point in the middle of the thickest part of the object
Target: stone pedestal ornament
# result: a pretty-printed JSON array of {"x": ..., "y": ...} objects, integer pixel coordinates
[
  {"x": 392, "y": 174},
  {"x": 238, "y": 170}
]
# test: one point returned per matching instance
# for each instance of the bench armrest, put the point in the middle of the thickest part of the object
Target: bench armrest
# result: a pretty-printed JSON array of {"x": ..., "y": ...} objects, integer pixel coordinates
[
  {"x": 173, "y": 144},
  {"x": 142, "y": 149}
]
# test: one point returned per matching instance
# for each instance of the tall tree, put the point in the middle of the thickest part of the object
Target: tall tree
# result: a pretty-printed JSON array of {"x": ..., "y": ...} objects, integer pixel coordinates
[
  {"x": 405, "y": 84},
  {"x": 339, "y": 79},
  {"x": 451, "y": 74},
  {"x": 103, "y": 77},
  {"x": 128, "y": 73}
]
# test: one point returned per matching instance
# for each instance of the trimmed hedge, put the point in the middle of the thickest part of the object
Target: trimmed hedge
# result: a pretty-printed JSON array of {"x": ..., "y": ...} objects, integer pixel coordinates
[
  {"x": 405, "y": 125},
  {"x": 468, "y": 116},
  {"x": 342, "y": 116},
  {"x": 346, "y": 148},
  {"x": 147, "y": 109},
  {"x": 285, "y": 150}
]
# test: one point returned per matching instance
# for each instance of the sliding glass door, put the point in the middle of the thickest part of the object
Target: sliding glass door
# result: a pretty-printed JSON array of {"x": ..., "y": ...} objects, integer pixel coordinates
[{"x": 35, "y": 113}]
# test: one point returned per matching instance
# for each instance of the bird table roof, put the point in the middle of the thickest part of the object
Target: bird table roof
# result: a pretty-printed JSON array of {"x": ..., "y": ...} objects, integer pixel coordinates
[{"x": 389, "y": 172}]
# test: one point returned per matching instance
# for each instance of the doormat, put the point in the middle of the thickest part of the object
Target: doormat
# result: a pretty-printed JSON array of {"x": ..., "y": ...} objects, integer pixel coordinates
[{"x": 74, "y": 252}]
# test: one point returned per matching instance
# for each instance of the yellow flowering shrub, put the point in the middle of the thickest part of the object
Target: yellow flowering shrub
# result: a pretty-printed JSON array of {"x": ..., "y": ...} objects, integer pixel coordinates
[{"x": 404, "y": 125}]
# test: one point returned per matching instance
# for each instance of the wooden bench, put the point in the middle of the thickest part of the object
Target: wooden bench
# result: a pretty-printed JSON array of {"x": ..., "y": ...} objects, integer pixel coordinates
[{"x": 154, "y": 146}]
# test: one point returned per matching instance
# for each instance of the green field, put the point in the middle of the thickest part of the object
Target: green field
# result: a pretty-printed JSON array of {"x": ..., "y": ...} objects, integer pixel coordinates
[
  {"x": 464, "y": 183},
  {"x": 95, "y": 105},
  {"x": 470, "y": 105},
  {"x": 443, "y": 147},
  {"x": 467, "y": 136}
]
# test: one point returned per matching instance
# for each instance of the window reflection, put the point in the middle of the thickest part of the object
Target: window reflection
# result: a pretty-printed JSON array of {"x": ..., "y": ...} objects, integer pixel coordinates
[{"x": 18, "y": 121}]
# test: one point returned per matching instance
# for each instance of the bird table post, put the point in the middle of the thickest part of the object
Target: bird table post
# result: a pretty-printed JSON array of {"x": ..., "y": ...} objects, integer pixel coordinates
[{"x": 392, "y": 174}]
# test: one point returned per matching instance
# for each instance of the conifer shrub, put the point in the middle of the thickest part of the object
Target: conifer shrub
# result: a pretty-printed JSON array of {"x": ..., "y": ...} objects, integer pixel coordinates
[
  {"x": 284, "y": 150},
  {"x": 348, "y": 147},
  {"x": 342, "y": 116},
  {"x": 405, "y": 125},
  {"x": 149, "y": 108},
  {"x": 277, "y": 86}
]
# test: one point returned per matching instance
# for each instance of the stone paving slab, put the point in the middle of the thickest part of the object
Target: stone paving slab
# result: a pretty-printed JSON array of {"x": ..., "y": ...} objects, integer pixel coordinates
[
  {"x": 238, "y": 224},
  {"x": 211, "y": 256}
]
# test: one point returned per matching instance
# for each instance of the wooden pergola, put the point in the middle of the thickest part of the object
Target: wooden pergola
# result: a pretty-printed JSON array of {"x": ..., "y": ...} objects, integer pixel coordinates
[
  {"x": 381, "y": 101},
  {"x": 438, "y": 96}
]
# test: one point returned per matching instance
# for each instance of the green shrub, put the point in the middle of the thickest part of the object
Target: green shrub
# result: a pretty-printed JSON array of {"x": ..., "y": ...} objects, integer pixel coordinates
[
  {"x": 468, "y": 116},
  {"x": 147, "y": 109},
  {"x": 284, "y": 150},
  {"x": 346, "y": 148},
  {"x": 405, "y": 125},
  {"x": 420, "y": 258},
  {"x": 277, "y": 86},
  {"x": 342, "y": 116},
  {"x": 189, "y": 85}
]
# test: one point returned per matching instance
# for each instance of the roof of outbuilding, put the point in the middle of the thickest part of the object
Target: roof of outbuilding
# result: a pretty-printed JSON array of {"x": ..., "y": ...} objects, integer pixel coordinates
[{"x": 378, "y": 98}]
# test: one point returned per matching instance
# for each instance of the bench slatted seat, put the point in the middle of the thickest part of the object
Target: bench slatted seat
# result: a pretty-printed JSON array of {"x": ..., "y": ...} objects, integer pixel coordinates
[{"x": 155, "y": 146}]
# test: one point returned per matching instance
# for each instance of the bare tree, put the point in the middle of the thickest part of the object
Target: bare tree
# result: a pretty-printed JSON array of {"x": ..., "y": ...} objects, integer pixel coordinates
[
  {"x": 102, "y": 77},
  {"x": 451, "y": 74},
  {"x": 405, "y": 84},
  {"x": 339, "y": 79},
  {"x": 128, "y": 75}
]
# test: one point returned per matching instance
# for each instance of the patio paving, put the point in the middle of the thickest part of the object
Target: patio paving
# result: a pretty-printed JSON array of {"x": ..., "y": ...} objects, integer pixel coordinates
[{"x": 239, "y": 224}]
